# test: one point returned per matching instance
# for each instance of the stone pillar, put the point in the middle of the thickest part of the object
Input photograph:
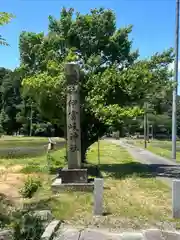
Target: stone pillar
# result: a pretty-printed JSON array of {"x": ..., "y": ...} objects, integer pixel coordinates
[
  {"x": 73, "y": 116},
  {"x": 176, "y": 198},
  {"x": 98, "y": 196}
]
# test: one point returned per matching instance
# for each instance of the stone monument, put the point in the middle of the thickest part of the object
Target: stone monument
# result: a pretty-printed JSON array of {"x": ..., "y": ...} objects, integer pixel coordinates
[
  {"x": 74, "y": 176},
  {"x": 73, "y": 116}
]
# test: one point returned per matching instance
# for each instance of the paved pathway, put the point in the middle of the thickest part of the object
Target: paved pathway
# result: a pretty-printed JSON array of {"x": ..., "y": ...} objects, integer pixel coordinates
[{"x": 163, "y": 168}]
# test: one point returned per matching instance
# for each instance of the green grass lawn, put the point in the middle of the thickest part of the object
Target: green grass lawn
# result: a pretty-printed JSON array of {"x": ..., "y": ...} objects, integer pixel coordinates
[
  {"x": 132, "y": 197},
  {"x": 159, "y": 147}
]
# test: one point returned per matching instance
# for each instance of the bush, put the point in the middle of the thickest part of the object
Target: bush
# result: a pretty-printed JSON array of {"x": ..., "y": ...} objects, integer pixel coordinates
[
  {"x": 27, "y": 226},
  {"x": 30, "y": 187}
]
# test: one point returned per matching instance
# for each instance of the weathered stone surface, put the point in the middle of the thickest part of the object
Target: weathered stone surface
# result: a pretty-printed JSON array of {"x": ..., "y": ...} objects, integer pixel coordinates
[
  {"x": 73, "y": 175},
  {"x": 171, "y": 235},
  {"x": 6, "y": 235},
  {"x": 45, "y": 215},
  {"x": 50, "y": 230},
  {"x": 95, "y": 234},
  {"x": 58, "y": 186},
  {"x": 153, "y": 234},
  {"x": 132, "y": 236},
  {"x": 98, "y": 235},
  {"x": 68, "y": 234},
  {"x": 98, "y": 196}
]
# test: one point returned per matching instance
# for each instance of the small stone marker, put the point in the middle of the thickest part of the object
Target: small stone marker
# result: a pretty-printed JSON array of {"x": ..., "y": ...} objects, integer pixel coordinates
[
  {"x": 176, "y": 198},
  {"x": 98, "y": 196}
]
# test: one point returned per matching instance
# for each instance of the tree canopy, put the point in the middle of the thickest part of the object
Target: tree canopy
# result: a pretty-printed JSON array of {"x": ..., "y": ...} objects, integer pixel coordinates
[{"x": 114, "y": 82}]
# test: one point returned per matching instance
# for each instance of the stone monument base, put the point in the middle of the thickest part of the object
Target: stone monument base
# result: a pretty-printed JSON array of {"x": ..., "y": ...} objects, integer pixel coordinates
[
  {"x": 73, "y": 175},
  {"x": 58, "y": 186},
  {"x": 72, "y": 179}
]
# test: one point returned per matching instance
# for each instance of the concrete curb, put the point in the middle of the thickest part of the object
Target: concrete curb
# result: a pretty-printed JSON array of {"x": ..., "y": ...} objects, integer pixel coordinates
[
  {"x": 53, "y": 229},
  {"x": 150, "y": 234},
  {"x": 50, "y": 230},
  {"x": 95, "y": 234}
]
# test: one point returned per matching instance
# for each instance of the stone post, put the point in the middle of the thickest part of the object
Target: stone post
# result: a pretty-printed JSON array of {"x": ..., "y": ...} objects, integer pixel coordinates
[
  {"x": 73, "y": 116},
  {"x": 176, "y": 198},
  {"x": 98, "y": 196}
]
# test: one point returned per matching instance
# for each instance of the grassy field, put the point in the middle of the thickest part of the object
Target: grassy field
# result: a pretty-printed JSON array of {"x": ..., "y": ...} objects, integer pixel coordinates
[
  {"x": 15, "y": 141},
  {"x": 161, "y": 148},
  {"x": 132, "y": 197},
  {"x": 12, "y": 147}
]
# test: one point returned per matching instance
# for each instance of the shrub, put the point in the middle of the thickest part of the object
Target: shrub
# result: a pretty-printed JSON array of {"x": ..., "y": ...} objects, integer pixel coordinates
[
  {"x": 4, "y": 211},
  {"x": 30, "y": 187},
  {"x": 26, "y": 226}
]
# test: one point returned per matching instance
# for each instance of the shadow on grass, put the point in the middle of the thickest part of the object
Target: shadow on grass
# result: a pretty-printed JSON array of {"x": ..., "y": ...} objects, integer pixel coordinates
[
  {"x": 93, "y": 170},
  {"x": 125, "y": 170},
  {"x": 122, "y": 171}
]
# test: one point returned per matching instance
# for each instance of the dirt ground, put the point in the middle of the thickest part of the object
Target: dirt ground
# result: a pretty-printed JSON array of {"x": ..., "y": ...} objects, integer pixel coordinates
[{"x": 11, "y": 181}]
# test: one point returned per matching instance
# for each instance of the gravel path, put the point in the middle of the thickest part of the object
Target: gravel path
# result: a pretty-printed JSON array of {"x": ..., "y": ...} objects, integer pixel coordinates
[{"x": 162, "y": 168}]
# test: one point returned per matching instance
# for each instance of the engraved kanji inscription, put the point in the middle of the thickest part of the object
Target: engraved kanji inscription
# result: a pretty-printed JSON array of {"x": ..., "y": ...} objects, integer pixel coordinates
[
  {"x": 73, "y": 148},
  {"x": 74, "y": 135},
  {"x": 72, "y": 103},
  {"x": 72, "y": 89},
  {"x": 72, "y": 115},
  {"x": 73, "y": 127}
]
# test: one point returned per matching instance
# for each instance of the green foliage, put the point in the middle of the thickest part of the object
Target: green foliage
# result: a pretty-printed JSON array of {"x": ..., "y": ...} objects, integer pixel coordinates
[
  {"x": 114, "y": 81},
  {"x": 26, "y": 226},
  {"x": 4, "y": 19},
  {"x": 15, "y": 108},
  {"x": 30, "y": 187},
  {"x": 5, "y": 211}
]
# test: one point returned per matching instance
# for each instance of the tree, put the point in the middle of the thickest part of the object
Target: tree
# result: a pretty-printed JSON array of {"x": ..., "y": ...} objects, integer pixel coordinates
[
  {"x": 114, "y": 81},
  {"x": 4, "y": 19},
  {"x": 15, "y": 108}
]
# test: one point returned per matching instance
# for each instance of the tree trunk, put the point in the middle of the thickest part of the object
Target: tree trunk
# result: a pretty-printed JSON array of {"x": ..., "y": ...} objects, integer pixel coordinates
[{"x": 90, "y": 132}]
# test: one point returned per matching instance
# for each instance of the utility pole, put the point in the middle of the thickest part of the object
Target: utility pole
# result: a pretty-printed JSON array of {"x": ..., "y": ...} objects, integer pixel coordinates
[
  {"x": 98, "y": 152},
  {"x": 145, "y": 125},
  {"x": 31, "y": 115},
  {"x": 152, "y": 132},
  {"x": 174, "y": 130},
  {"x": 147, "y": 128}
]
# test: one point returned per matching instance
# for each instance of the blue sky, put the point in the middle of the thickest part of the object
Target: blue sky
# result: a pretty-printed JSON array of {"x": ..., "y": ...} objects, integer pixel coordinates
[{"x": 153, "y": 20}]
